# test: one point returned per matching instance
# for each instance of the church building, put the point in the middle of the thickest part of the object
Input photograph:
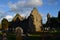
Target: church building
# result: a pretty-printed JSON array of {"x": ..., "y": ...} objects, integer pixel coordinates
[{"x": 28, "y": 25}]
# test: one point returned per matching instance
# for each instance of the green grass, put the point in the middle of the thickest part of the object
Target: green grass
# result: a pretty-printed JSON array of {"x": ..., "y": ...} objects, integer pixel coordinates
[{"x": 34, "y": 36}]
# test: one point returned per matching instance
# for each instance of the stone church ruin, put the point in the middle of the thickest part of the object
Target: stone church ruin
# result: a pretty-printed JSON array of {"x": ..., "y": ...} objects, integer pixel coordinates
[{"x": 29, "y": 25}]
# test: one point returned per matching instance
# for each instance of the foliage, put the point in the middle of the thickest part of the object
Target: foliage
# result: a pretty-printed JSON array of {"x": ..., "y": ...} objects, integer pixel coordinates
[{"x": 4, "y": 23}]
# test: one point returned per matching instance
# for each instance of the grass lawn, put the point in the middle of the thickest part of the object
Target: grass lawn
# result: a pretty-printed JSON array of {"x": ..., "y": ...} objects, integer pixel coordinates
[{"x": 36, "y": 36}]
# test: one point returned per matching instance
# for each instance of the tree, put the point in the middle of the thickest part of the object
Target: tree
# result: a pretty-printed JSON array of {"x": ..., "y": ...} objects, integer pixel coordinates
[{"x": 5, "y": 24}]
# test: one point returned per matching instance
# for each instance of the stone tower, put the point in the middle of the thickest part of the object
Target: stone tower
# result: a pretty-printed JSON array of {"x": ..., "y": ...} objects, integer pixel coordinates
[
  {"x": 59, "y": 15},
  {"x": 48, "y": 16},
  {"x": 35, "y": 19}
]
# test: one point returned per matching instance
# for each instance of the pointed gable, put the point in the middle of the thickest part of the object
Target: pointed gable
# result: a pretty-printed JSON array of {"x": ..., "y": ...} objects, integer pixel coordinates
[
  {"x": 18, "y": 16},
  {"x": 35, "y": 19}
]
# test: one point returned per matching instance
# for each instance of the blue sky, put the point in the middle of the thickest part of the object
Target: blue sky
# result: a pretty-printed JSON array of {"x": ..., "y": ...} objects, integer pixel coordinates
[{"x": 9, "y": 8}]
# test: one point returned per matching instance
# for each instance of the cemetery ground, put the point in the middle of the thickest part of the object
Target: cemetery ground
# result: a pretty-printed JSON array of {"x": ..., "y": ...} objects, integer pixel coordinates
[{"x": 36, "y": 36}]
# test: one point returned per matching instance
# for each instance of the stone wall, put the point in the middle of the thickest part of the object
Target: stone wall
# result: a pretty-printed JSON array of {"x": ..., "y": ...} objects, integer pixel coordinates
[{"x": 35, "y": 19}]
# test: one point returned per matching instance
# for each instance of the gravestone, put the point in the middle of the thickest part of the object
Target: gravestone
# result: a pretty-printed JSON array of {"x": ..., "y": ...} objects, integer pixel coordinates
[
  {"x": 4, "y": 36},
  {"x": 18, "y": 33},
  {"x": 0, "y": 35}
]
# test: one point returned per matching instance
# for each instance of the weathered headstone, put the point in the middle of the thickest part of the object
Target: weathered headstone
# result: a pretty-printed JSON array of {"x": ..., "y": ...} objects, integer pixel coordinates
[
  {"x": 18, "y": 34},
  {"x": 5, "y": 36},
  {"x": 0, "y": 35}
]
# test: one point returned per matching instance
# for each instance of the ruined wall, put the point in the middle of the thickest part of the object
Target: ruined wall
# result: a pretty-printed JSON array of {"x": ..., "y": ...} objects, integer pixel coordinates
[{"x": 35, "y": 19}]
